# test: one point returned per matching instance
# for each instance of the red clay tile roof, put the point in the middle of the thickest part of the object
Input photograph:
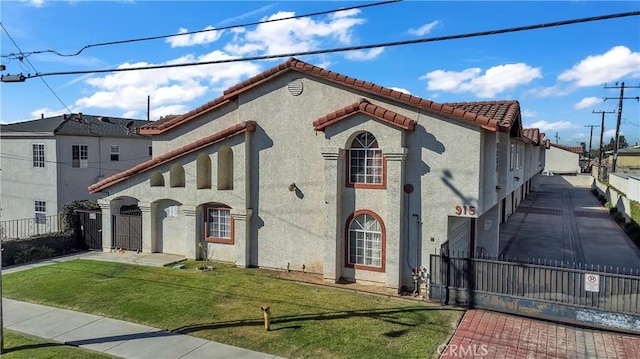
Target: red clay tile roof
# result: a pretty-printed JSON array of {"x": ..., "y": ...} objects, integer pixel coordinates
[
  {"x": 577, "y": 150},
  {"x": 169, "y": 156},
  {"x": 533, "y": 134},
  {"x": 364, "y": 106},
  {"x": 494, "y": 118},
  {"x": 505, "y": 112}
]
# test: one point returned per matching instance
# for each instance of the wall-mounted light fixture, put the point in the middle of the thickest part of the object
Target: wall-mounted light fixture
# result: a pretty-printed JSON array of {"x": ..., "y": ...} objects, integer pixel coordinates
[{"x": 292, "y": 187}]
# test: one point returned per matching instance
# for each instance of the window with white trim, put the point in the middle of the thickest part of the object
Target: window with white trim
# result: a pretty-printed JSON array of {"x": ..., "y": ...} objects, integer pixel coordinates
[
  {"x": 41, "y": 212},
  {"x": 218, "y": 224},
  {"x": 365, "y": 241},
  {"x": 365, "y": 161},
  {"x": 79, "y": 156},
  {"x": 38, "y": 155},
  {"x": 115, "y": 153}
]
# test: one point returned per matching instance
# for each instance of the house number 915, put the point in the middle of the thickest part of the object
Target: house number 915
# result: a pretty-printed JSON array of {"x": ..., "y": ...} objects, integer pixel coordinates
[{"x": 465, "y": 210}]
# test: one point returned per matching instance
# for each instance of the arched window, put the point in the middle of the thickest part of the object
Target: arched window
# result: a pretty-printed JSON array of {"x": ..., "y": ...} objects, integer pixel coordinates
[
  {"x": 366, "y": 241},
  {"x": 157, "y": 180},
  {"x": 365, "y": 162},
  {"x": 203, "y": 170},
  {"x": 218, "y": 224},
  {"x": 176, "y": 176},
  {"x": 225, "y": 168}
]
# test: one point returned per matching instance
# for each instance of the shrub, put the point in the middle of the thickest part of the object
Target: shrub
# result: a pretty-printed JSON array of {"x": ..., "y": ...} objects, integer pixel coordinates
[
  {"x": 635, "y": 211},
  {"x": 34, "y": 254}
]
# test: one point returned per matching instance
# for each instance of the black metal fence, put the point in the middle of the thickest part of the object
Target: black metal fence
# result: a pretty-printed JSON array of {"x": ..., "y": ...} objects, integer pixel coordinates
[
  {"x": 458, "y": 279},
  {"x": 28, "y": 227}
]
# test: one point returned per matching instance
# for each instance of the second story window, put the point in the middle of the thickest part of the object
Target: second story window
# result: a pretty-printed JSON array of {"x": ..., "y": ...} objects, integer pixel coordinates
[
  {"x": 79, "y": 156},
  {"x": 38, "y": 155},
  {"x": 365, "y": 161},
  {"x": 115, "y": 153}
]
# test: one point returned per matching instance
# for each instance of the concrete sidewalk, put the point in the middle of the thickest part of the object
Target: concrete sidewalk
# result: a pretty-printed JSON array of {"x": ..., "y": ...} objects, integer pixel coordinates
[{"x": 110, "y": 336}]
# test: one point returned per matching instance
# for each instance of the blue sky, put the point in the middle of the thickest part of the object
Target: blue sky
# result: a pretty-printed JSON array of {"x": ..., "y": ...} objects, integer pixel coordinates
[{"x": 557, "y": 74}]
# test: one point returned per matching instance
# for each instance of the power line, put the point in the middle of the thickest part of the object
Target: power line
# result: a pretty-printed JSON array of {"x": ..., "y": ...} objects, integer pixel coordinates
[
  {"x": 34, "y": 69},
  {"x": 353, "y": 48},
  {"x": 24, "y": 55}
]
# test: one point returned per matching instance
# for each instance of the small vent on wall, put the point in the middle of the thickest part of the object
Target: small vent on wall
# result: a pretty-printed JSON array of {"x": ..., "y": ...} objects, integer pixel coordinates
[{"x": 295, "y": 87}]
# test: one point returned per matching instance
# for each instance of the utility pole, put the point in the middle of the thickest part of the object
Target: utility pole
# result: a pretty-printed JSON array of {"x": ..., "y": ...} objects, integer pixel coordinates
[
  {"x": 600, "y": 148},
  {"x": 557, "y": 138},
  {"x": 637, "y": 98},
  {"x": 590, "y": 138}
]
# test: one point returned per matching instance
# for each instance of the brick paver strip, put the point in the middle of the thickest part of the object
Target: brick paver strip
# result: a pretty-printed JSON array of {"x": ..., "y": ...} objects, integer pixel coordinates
[{"x": 483, "y": 334}]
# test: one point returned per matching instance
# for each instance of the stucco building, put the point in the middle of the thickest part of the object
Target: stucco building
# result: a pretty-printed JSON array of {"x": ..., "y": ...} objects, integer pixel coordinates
[
  {"x": 307, "y": 169},
  {"x": 562, "y": 160},
  {"x": 51, "y": 161}
]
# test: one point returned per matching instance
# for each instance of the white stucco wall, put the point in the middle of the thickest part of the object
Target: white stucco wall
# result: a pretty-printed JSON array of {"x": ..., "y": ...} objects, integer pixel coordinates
[
  {"x": 561, "y": 161},
  {"x": 634, "y": 188},
  {"x": 73, "y": 182},
  {"x": 21, "y": 183}
]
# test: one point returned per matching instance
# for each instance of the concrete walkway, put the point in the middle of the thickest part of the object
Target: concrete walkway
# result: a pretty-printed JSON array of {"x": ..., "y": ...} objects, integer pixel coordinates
[
  {"x": 564, "y": 222},
  {"x": 111, "y": 336},
  {"x": 493, "y": 335}
]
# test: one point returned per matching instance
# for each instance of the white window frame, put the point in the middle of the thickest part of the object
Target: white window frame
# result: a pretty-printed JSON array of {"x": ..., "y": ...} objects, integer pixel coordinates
[
  {"x": 81, "y": 161},
  {"x": 38, "y": 155},
  {"x": 115, "y": 151},
  {"x": 366, "y": 165},
  {"x": 41, "y": 212},
  {"x": 218, "y": 223},
  {"x": 368, "y": 241}
]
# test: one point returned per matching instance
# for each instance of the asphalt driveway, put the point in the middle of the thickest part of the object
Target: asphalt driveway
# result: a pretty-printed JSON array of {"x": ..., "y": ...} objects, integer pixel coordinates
[{"x": 564, "y": 222}]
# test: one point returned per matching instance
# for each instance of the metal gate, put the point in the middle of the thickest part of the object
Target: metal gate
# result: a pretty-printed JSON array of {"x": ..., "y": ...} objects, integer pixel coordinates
[
  {"x": 90, "y": 228},
  {"x": 127, "y": 230},
  {"x": 561, "y": 291}
]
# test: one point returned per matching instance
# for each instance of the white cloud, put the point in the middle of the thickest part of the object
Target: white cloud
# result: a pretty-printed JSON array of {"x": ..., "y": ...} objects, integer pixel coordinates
[
  {"x": 294, "y": 35},
  {"x": 34, "y": 3},
  {"x": 613, "y": 65},
  {"x": 495, "y": 80},
  {"x": 208, "y": 35},
  {"x": 363, "y": 55},
  {"x": 158, "y": 112},
  {"x": 551, "y": 91},
  {"x": 424, "y": 29},
  {"x": 528, "y": 113},
  {"x": 587, "y": 102},
  {"x": 545, "y": 126},
  {"x": 128, "y": 90},
  {"x": 401, "y": 90},
  {"x": 609, "y": 134},
  {"x": 47, "y": 112}
]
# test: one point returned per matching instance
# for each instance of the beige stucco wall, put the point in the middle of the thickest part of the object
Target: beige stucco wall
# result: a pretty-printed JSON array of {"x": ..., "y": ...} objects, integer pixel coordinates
[{"x": 448, "y": 163}]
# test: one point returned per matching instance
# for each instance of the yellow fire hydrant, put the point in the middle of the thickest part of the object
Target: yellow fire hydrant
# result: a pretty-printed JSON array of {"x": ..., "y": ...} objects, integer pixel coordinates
[{"x": 267, "y": 316}]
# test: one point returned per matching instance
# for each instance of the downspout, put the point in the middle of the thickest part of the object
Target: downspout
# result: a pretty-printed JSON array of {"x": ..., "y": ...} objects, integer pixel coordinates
[{"x": 247, "y": 194}]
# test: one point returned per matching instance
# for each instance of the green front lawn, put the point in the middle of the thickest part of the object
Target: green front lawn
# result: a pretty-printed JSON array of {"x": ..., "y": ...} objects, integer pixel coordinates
[
  {"x": 224, "y": 305},
  {"x": 19, "y": 346}
]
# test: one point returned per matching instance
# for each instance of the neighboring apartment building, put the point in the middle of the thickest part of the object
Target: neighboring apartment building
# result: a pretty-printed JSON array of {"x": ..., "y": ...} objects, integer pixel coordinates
[
  {"x": 50, "y": 161},
  {"x": 310, "y": 170},
  {"x": 562, "y": 160}
]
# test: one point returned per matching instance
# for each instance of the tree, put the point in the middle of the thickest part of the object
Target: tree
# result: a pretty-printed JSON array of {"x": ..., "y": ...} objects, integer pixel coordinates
[{"x": 622, "y": 142}]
